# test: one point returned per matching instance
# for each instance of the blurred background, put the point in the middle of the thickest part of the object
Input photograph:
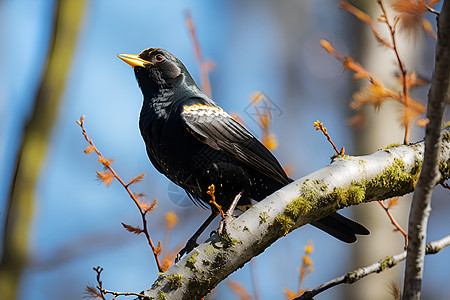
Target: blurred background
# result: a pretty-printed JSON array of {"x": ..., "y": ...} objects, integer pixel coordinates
[{"x": 62, "y": 222}]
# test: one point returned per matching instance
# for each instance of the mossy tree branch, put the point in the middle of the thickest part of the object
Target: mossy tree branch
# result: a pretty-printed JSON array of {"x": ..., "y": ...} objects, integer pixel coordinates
[{"x": 346, "y": 181}]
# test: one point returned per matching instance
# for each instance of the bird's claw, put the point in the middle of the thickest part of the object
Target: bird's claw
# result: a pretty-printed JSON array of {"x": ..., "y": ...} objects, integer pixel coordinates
[{"x": 223, "y": 228}]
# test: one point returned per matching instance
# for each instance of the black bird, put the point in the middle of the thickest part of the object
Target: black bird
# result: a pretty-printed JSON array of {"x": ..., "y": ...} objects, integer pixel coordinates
[{"x": 195, "y": 143}]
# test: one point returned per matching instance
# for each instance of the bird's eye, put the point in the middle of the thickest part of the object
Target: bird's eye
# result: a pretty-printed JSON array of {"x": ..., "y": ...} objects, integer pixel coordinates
[{"x": 159, "y": 57}]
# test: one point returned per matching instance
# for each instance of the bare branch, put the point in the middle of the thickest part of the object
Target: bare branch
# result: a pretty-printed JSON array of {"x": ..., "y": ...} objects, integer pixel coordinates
[
  {"x": 108, "y": 176},
  {"x": 394, "y": 222},
  {"x": 439, "y": 95},
  {"x": 381, "y": 265}
]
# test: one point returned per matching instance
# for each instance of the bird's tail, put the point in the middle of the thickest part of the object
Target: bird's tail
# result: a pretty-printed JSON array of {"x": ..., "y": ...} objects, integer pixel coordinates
[{"x": 341, "y": 228}]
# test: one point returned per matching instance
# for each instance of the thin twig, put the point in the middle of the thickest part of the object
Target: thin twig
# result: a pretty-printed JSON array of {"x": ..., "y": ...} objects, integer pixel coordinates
[
  {"x": 402, "y": 69},
  {"x": 91, "y": 292},
  {"x": 142, "y": 211},
  {"x": 432, "y": 10},
  {"x": 202, "y": 65},
  {"x": 365, "y": 18},
  {"x": 116, "y": 294},
  {"x": 349, "y": 64},
  {"x": 394, "y": 222},
  {"x": 445, "y": 185},
  {"x": 319, "y": 126},
  {"x": 386, "y": 263}
]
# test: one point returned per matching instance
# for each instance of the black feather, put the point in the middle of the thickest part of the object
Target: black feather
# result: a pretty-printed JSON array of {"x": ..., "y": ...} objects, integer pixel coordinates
[{"x": 193, "y": 142}]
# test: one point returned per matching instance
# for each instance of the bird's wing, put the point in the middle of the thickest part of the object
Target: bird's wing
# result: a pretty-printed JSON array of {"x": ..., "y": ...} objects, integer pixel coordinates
[{"x": 216, "y": 128}]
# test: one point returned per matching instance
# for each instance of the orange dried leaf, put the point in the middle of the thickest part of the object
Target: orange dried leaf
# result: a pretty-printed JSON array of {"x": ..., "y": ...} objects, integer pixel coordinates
[
  {"x": 380, "y": 40},
  {"x": 158, "y": 248},
  {"x": 105, "y": 161},
  {"x": 270, "y": 141},
  {"x": 392, "y": 202},
  {"x": 359, "y": 100},
  {"x": 331, "y": 50},
  {"x": 378, "y": 93},
  {"x": 136, "y": 179},
  {"x": 138, "y": 195},
  {"x": 288, "y": 170},
  {"x": 358, "y": 121},
  {"x": 367, "y": 19},
  {"x": 143, "y": 205},
  {"x": 356, "y": 12},
  {"x": 411, "y": 79},
  {"x": 166, "y": 264},
  {"x": 106, "y": 177},
  {"x": 92, "y": 292},
  {"x": 256, "y": 97},
  {"x": 291, "y": 294},
  {"x": 135, "y": 230},
  {"x": 326, "y": 45},
  {"x": 153, "y": 205},
  {"x": 374, "y": 94},
  {"x": 411, "y": 14},
  {"x": 239, "y": 290},
  {"x": 171, "y": 219},
  {"x": 428, "y": 28},
  {"x": 360, "y": 72},
  {"x": 411, "y": 7},
  {"x": 410, "y": 114},
  {"x": 416, "y": 106},
  {"x": 89, "y": 149},
  {"x": 423, "y": 122},
  {"x": 146, "y": 207}
]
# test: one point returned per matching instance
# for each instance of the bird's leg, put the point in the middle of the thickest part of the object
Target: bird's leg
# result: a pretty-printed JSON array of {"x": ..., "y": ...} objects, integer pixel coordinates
[
  {"x": 229, "y": 215},
  {"x": 192, "y": 242}
]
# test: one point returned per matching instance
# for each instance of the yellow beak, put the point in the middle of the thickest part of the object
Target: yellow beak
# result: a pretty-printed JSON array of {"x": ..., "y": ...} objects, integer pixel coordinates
[{"x": 133, "y": 60}]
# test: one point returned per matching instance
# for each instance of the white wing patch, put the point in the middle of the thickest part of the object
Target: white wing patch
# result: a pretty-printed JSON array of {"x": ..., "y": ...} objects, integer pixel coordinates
[{"x": 203, "y": 113}]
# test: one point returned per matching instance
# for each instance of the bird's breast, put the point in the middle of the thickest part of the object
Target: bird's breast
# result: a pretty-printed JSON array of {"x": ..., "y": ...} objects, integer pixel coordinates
[{"x": 169, "y": 145}]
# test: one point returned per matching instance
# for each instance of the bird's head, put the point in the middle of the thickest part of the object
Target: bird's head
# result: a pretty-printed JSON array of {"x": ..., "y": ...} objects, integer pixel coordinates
[{"x": 157, "y": 68}]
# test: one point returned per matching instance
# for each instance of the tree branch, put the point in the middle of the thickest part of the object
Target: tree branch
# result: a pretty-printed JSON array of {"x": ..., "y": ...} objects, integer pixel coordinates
[
  {"x": 439, "y": 95},
  {"x": 346, "y": 181},
  {"x": 381, "y": 265}
]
